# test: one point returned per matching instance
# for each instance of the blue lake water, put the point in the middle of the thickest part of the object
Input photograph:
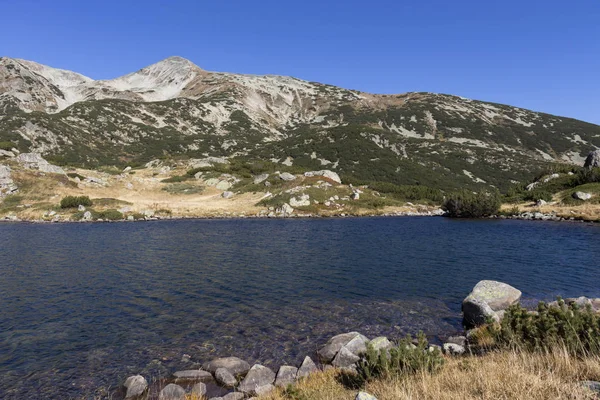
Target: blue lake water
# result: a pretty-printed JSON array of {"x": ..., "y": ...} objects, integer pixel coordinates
[{"x": 82, "y": 306}]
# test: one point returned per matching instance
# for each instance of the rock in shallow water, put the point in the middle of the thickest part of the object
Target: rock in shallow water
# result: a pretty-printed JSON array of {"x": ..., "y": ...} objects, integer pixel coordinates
[
  {"x": 234, "y": 365},
  {"x": 193, "y": 375},
  {"x": 199, "y": 389}
]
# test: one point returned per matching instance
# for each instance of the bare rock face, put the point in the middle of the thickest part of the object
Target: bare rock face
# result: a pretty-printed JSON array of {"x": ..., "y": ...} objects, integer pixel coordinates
[
  {"x": 592, "y": 160},
  {"x": 35, "y": 161},
  {"x": 326, "y": 174},
  {"x": 487, "y": 300},
  {"x": 7, "y": 185}
]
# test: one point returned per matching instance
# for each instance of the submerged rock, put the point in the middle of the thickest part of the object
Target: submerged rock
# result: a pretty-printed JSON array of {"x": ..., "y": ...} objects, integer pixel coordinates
[{"x": 193, "y": 375}]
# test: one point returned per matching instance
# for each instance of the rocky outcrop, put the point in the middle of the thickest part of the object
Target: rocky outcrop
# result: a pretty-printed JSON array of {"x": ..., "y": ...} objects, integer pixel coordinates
[
  {"x": 486, "y": 301},
  {"x": 592, "y": 160},
  {"x": 300, "y": 201},
  {"x": 7, "y": 185},
  {"x": 36, "y": 162},
  {"x": 326, "y": 174}
]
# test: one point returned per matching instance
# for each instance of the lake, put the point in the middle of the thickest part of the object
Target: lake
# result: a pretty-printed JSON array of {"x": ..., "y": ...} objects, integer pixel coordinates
[{"x": 83, "y": 306}]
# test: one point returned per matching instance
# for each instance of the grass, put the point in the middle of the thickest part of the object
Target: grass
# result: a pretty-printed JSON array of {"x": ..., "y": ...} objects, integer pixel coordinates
[
  {"x": 183, "y": 188},
  {"x": 497, "y": 375}
]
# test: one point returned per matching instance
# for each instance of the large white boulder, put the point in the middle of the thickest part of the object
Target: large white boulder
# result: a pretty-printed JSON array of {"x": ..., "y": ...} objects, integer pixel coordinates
[
  {"x": 487, "y": 300},
  {"x": 325, "y": 173}
]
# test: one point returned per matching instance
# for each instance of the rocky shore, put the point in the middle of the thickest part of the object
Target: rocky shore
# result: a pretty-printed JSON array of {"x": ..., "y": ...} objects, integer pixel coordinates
[{"x": 231, "y": 378}]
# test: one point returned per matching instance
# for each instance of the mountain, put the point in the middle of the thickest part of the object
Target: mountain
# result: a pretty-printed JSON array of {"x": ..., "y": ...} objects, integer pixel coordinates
[{"x": 174, "y": 109}]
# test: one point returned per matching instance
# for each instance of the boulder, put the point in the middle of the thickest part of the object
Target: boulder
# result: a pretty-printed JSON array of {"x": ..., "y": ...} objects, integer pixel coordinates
[
  {"x": 364, "y": 396},
  {"x": 381, "y": 343},
  {"x": 486, "y": 299},
  {"x": 257, "y": 377},
  {"x": 308, "y": 367},
  {"x": 80, "y": 208},
  {"x": 582, "y": 196},
  {"x": 193, "y": 375},
  {"x": 453, "y": 349},
  {"x": 234, "y": 396},
  {"x": 540, "y": 203},
  {"x": 227, "y": 195},
  {"x": 87, "y": 216},
  {"x": 331, "y": 348},
  {"x": 459, "y": 340},
  {"x": 358, "y": 345},
  {"x": 345, "y": 359},
  {"x": 35, "y": 161},
  {"x": 325, "y": 173},
  {"x": 223, "y": 185},
  {"x": 225, "y": 377},
  {"x": 286, "y": 176},
  {"x": 234, "y": 365},
  {"x": 263, "y": 390},
  {"x": 260, "y": 178},
  {"x": 581, "y": 302},
  {"x": 136, "y": 386},
  {"x": 285, "y": 209},
  {"x": 592, "y": 160},
  {"x": 172, "y": 392},
  {"x": 199, "y": 389},
  {"x": 7, "y": 185},
  {"x": 286, "y": 376},
  {"x": 300, "y": 201}
]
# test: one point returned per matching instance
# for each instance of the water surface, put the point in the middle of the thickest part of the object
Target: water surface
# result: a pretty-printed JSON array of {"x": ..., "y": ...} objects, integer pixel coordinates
[{"x": 82, "y": 306}]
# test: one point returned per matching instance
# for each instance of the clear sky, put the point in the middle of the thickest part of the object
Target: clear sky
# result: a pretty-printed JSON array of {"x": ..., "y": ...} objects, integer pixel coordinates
[{"x": 538, "y": 54}]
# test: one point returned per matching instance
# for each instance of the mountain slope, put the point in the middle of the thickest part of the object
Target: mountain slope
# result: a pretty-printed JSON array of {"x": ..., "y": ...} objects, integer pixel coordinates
[{"x": 174, "y": 109}]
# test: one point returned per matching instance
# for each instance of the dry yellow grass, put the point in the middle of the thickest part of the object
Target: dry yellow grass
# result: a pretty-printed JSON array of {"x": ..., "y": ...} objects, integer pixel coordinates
[
  {"x": 502, "y": 375},
  {"x": 587, "y": 212}
]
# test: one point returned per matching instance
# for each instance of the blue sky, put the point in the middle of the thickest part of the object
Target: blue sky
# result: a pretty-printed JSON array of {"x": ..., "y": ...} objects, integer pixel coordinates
[{"x": 541, "y": 55}]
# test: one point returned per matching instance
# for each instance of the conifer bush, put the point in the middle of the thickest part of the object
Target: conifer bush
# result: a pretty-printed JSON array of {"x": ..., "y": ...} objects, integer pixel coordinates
[
  {"x": 466, "y": 204},
  {"x": 75, "y": 201}
]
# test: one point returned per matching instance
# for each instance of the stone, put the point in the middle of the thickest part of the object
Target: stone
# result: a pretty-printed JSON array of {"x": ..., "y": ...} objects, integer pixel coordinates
[
  {"x": 234, "y": 365},
  {"x": 326, "y": 174},
  {"x": 333, "y": 345},
  {"x": 7, "y": 185},
  {"x": 225, "y": 377},
  {"x": 127, "y": 169},
  {"x": 80, "y": 208},
  {"x": 364, "y": 396},
  {"x": 286, "y": 176},
  {"x": 459, "y": 340},
  {"x": 136, "y": 386},
  {"x": 308, "y": 367},
  {"x": 345, "y": 359},
  {"x": 227, "y": 195},
  {"x": 129, "y": 186},
  {"x": 453, "y": 349},
  {"x": 263, "y": 390},
  {"x": 6, "y": 153},
  {"x": 358, "y": 345},
  {"x": 285, "y": 209},
  {"x": 199, "y": 389},
  {"x": 381, "y": 343},
  {"x": 148, "y": 213},
  {"x": 257, "y": 377},
  {"x": 486, "y": 298},
  {"x": 172, "y": 392},
  {"x": 87, "y": 216},
  {"x": 223, "y": 185},
  {"x": 211, "y": 182},
  {"x": 234, "y": 396},
  {"x": 193, "y": 375},
  {"x": 355, "y": 196},
  {"x": 540, "y": 203},
  {"x": 594, "y": 386},
  {"x": 582, "y": 196},
  {"x": 300, "y": 201},
  {"x": 286, "y": 376},
  {"x": 260, "y": 178},
  {"x": 581, "y": 302},
  {"x": 592, "y": 160}
]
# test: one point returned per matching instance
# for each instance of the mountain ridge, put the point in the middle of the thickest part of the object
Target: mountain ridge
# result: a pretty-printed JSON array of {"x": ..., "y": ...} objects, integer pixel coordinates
[{"x": 173, "y": 108}]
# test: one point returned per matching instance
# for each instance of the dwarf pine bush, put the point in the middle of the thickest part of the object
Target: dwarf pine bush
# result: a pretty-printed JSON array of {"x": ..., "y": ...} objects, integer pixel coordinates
[
  {"x": 75, "y": 201},
  {"x": 406, "y": 358},
  {"x": 570, "y": 326}
]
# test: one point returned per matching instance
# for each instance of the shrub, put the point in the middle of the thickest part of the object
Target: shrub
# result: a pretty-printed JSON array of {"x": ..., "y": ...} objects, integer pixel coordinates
[
  {"x": 570, "y": 326},
  {"x": 75, "y": 175},
  {"x": 75, "y": 201},
  {"x": 7, "y": 146},
  {"x": 404, "y": 359},
  {"x": 110, "y": 215},
  {"x": 468, "y": 205}
]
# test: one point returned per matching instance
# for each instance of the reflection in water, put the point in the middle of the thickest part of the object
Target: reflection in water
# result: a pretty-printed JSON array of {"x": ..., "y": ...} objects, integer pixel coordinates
[{"x": 85, "y": 305}]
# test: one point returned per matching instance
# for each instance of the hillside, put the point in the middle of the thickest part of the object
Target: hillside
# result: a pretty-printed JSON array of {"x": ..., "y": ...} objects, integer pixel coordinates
[{"x": 176, "y": 110}]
